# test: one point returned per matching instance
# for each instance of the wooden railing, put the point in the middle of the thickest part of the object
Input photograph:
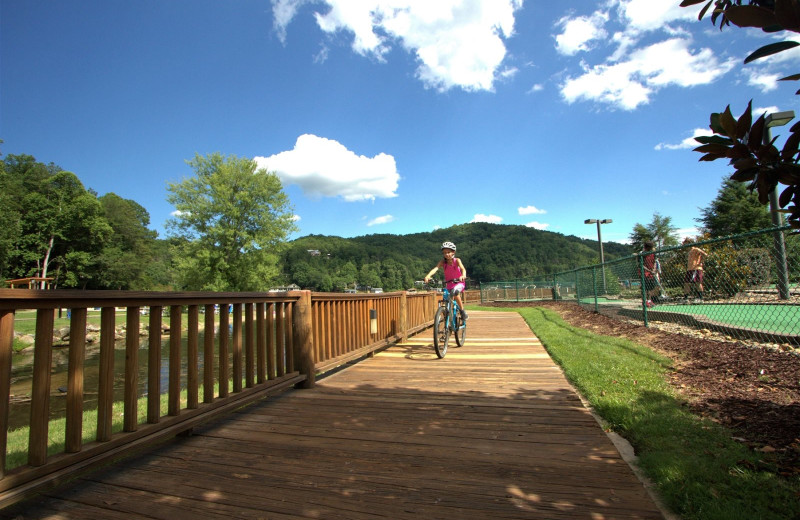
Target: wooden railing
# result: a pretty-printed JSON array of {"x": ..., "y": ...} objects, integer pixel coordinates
[{"x": 264, "y": 343}]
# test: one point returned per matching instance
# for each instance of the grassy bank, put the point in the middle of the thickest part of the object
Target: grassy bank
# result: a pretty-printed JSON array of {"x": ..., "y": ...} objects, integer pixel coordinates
[{"x": 698, "y": 470}]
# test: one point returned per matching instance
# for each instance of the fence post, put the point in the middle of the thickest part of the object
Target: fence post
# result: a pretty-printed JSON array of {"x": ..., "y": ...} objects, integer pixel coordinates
[
  {"x": 594, "y": 287},
  {"x": 516, "y": 287},
  {"x": 303, "y": 339}
]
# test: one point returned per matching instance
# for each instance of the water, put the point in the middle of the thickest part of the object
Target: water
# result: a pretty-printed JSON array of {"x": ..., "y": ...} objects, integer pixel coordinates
[{"x": 22, "y": 368}]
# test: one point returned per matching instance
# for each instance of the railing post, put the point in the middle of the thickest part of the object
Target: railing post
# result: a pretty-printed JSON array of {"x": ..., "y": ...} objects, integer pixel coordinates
[
  {"x": 6, "y": 347},
  {"x": 40, "y": 389},
  {"x": 403, "y": 316},
  {"x": 303, "y": 339}
]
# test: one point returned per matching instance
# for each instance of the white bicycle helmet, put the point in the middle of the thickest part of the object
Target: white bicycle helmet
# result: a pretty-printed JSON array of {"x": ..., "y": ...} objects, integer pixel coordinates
[{"x": 449, "y": 245}]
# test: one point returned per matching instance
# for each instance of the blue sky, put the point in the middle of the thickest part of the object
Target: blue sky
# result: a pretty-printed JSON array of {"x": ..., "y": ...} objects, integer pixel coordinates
[{"x": 389, "y": 116}]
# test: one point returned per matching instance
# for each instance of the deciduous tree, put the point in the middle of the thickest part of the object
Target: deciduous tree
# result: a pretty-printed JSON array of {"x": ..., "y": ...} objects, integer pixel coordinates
[{"x": 234, "y": 218}]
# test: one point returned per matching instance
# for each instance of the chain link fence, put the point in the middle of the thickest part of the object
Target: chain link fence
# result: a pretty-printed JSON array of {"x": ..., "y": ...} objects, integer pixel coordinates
[{"x": 747, "y": 287}]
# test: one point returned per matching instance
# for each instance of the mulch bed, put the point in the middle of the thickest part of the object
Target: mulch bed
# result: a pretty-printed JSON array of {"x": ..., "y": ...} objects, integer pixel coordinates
[{"x": 753, "y": 391}]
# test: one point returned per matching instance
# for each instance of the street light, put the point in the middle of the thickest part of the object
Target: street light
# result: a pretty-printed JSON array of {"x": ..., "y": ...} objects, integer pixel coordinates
[
  {"x": 600, "y": 241},
  {"x": 778, "y": 119}
]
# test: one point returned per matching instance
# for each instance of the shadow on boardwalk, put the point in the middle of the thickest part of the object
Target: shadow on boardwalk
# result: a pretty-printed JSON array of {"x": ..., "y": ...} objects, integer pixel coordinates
[{"x": 491, "y": 431}]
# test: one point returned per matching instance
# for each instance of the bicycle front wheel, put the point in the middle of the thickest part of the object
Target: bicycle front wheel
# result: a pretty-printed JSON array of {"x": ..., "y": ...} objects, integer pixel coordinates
[
  {"x": 441, "y": 332},
  {"x": 461, "y": 329}
]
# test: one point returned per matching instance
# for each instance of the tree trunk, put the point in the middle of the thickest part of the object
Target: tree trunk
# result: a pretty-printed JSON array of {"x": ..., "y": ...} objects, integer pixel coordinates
[{"x": 46, "y": 262}]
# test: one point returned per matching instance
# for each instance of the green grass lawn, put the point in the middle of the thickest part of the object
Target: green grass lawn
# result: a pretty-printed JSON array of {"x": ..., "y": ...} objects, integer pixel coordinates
[{"x": 698, "y": 469}]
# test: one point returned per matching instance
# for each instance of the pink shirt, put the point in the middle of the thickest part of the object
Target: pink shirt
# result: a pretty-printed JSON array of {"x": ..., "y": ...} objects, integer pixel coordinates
[{"x": 451, "y": 272}]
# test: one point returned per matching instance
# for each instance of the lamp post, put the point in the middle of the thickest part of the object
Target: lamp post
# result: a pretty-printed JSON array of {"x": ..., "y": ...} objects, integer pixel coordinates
[
  {"x": 600, "y": 242},
  {"x": 778, "y": 119}
]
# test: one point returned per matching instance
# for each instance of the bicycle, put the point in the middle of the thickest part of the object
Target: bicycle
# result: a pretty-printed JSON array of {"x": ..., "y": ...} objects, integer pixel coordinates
[{"x": 446, "y": 321}]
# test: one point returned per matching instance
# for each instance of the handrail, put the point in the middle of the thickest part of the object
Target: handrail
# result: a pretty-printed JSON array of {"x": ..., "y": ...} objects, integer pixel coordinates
[{"x": 267, "y": 342}]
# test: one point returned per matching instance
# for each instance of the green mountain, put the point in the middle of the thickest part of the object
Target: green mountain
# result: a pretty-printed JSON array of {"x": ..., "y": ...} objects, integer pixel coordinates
[{"x": 490, "y": 252}]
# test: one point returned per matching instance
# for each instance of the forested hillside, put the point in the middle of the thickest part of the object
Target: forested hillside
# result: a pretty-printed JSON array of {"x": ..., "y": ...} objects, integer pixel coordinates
[{"x": 490, "y": 252}]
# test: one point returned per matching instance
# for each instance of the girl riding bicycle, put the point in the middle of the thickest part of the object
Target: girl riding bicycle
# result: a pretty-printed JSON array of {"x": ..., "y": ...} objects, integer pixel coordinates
[{"x": 453, "y": 270}]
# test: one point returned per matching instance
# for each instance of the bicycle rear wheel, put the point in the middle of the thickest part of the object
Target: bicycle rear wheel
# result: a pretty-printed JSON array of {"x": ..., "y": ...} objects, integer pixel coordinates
[
  {"x": 441, "y": 332},
  {"x": 461, "y": 329}
]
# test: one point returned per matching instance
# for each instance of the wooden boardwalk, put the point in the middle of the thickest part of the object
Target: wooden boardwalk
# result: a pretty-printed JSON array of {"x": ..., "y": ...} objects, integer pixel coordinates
[{"x": 492, "y": 431}]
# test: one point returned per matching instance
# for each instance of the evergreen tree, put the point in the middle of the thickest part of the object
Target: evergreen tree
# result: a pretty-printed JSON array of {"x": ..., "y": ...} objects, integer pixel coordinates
[{"x": 736, "y": 209}]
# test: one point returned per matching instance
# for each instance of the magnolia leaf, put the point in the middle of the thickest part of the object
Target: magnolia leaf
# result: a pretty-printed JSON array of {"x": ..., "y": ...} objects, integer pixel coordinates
[
  {"x": 744, "y": 175},
  {"x": 727, "y": 122},
  {"x": 795, "y": 127},
  {"x": 744, "y": 122},
  {"x": 714, "y": 124},
  {"x": 763, "y": 187},
  {"x": 712, "y": 148},
  {"x": 704, "y": 9},
  {"x": 714, "y": 139},
  {"x": 790, "y": 147},
  {"x": 739, "y": 151},
  {"x": 750, "y": 16},
  {"x": 687, "y": 3},
  {"x": 785, "y": 196},
  {"x": 711, "y": 157},
  {"x": 745, "y": 164},
  {"x": 787, "y": 13},
  {"x": 772, "y": 48},
  {"x": 756, "y": 134},
  {"x": 793, "y": 77}
]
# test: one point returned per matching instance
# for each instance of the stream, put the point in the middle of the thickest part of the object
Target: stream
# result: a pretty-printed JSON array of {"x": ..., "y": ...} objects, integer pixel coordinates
[{"x": 22, "y": 369}]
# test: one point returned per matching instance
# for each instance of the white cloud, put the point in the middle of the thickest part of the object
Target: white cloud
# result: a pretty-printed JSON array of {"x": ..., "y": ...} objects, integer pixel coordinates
[
  {"x": 689, "y": 142},
  {"x": 325, "y": 168},
  {"x": 492, "y": 219},
  {"x": 295, "y": 218},
  {"x": 765, "y": 110},
  {"x": 537, "y": 225},
  {"x": 631, "y": 83},
  {"x": 385, "y": 219},
  {"x": 283, "y": 11},
  {"x": 458, "y": 43},
  {"x": 692, "y": 233},
  {"x": 531, "y": 210},
  {"x": 650, "y": 15},
  {"x": 762, "y": 80},
  {"x": 579, "y": 32}
]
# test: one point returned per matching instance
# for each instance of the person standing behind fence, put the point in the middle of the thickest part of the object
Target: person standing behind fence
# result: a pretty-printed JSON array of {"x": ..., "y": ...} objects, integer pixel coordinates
[
  {"x": 694, "y": 271},
  {"x": 650, "y": 282}
]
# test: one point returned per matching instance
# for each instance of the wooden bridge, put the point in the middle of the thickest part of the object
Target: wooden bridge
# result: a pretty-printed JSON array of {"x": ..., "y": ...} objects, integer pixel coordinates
[{"x": 491, "y": 431}]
